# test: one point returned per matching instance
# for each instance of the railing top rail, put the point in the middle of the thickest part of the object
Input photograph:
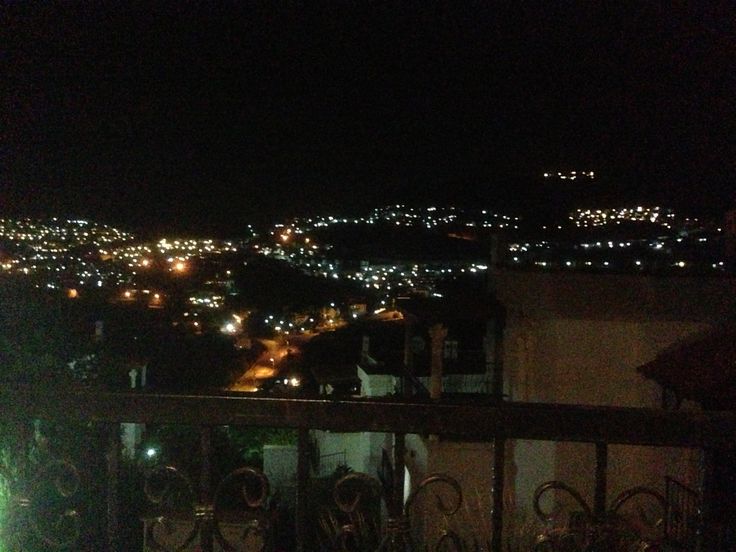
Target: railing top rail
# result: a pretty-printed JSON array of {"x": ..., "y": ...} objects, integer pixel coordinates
[{"x": 472, "y": 421}]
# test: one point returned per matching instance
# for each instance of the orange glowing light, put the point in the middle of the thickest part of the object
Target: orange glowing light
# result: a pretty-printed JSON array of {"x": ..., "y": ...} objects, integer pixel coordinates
[{"x": 72, "y": 293}]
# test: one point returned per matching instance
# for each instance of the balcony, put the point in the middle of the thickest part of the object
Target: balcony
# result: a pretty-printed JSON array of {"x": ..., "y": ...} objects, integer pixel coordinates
[{"x": 94, "y": 498}]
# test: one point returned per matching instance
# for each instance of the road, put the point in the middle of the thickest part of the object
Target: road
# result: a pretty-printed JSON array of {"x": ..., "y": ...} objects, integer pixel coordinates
[
  {"x": 265, "y": 366},
  {"x": 269, "y": 363}
]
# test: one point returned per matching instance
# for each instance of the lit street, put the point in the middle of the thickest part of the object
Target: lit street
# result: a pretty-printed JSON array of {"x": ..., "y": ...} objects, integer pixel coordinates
[{"x": 269, "y": 363}]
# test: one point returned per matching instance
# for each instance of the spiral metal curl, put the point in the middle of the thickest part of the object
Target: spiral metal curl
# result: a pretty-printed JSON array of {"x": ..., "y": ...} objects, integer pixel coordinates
[
  {"x": 625, "y": 496},
  {"x": 65, "y": 528},
  {"x": 348, "y": 495},
  {"x": 548, "y": 517},
  {"x": 350, "y": 492},
  {"x": 34, "y": 502},
  {"x": 162, "y": 487},
  {"x": 358, "y": 483},
  {"x": 438, "y": 479},
  {"x": 608, "y": 533},
  {"x": 256, "y": 527},
  {"x": 449, "y": 540}
]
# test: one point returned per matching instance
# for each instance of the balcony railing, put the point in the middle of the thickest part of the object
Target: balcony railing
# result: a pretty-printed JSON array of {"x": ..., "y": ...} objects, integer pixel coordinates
[{"x": 53, "y": 504}]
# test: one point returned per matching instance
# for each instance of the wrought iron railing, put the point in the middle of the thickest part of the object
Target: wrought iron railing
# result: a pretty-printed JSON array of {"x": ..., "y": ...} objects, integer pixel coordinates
[
  {"x": 44, "y": 508},
  {"x": 330, "y": 463},
  {"x": 682, "y": 519}
]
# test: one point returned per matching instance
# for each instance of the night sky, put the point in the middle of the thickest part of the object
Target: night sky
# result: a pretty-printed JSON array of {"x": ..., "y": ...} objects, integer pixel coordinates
[{"x": 206, "y": 116}]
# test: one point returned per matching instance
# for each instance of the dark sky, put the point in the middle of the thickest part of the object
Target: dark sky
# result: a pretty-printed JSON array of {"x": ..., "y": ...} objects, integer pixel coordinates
[{"x": 209, "y": 115}]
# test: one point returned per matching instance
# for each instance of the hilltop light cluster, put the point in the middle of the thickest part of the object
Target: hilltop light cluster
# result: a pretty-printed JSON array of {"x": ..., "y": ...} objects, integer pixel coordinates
[
  {"x": 432, "y": 217},
  {"x": 59, "y": 235},
  {"x": 295, "y": 244},
  {"x": 64, "y": 252},
  {"x": 401, "y": 215},
  {"x": 387, "y": 277},
  {"x": 589, "y": 218},
  {"x": 177, "y": 252},
  {"x": 591, "y": 239},
  {"x": 651, "y": 239},
  {"x": 570, "y": 175},
  {"x": 75, "y": 254}
]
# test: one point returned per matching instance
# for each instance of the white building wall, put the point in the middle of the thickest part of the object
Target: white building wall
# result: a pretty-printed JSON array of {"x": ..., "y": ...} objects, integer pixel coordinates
[
  {"x": 362, "y": 450},
  {"x": 376, "y": 385},
  {"x": 591, "y": 362}
]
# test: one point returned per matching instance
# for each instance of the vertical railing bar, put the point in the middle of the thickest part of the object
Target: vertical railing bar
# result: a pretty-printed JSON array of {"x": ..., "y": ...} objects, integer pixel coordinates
[
  {"x": 399, "y": 467},
  {"x": 302, "y": 468},
  {"x": 499, "y": 463},
  {"x": 113, "y": 479},
  {"x": 206, "y": 536},
  {"x": 684, "y": 508},
  {"x": 707, "y": 539},
  {"x": 601, "y": 480}
]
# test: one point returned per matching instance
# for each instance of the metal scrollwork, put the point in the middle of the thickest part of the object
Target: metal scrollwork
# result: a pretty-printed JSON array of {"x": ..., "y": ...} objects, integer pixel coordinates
[
  {"x": 253, "y": 494},
  {"x": 648, "y": 524},
  {"x": 436, "y": 479},
  {"x": 355, "y": 492},
  {"x": 614, "y": 531},
  {"x": 557, "y": 486},
  {"x": 173, "y": 495},
  {"x": 449, "y": 539},
  {"x": 350, "y": 489},
  {"x": 351, "y": 494},
  {"x": 43, "y": 504}
]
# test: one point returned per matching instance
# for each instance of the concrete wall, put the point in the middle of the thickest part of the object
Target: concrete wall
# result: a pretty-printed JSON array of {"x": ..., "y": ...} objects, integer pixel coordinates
[
  {"x": 376, "y": 385},
  {"x": 591, "y": 362},
  {"x": 279, "y": 465},
  {"x": 362, "y": 450}
]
